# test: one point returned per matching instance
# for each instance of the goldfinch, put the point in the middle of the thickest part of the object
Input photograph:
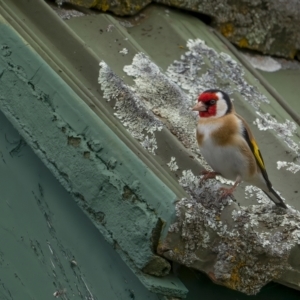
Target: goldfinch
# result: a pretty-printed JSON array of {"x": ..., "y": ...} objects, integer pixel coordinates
[{"x": 228, "y": 145}]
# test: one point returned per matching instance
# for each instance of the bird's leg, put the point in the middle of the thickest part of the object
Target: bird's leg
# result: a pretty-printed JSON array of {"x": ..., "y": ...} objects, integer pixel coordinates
[
  {"x": 228, "y": 191},
  {"x": 208, "y": 175}
]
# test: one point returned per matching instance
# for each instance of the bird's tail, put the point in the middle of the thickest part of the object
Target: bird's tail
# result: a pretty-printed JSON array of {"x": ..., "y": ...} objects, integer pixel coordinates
[{"x": 275, "y": 197}]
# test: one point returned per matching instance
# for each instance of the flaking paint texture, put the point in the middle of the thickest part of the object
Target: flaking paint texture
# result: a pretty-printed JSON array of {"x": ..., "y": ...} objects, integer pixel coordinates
[
  {"x": 48, "y": 245},
  {"x": 34, "y": 102}
]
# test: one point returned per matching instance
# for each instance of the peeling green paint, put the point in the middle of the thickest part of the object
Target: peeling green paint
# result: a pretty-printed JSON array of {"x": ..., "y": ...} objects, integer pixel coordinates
[
  {"x": 60, "y": 128},
  {"x": 48, "y": 244}
]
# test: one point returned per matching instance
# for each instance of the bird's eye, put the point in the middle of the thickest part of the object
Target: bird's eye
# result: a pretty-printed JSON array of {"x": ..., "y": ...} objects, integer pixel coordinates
[{"x": 212, "y": 102}]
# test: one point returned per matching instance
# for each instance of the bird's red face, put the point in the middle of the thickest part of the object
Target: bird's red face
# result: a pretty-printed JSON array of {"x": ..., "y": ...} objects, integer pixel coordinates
[
  {"x": 213, "y": 104},
  {"x": 207, "y": 104}
]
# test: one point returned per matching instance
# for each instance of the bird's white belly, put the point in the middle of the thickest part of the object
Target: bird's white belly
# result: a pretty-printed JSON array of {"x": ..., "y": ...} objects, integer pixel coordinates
[{"x": 226, "y": 160}]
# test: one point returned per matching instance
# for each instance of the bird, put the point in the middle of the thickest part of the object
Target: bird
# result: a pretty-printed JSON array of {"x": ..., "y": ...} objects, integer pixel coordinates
[{"x": 228, "y": 145}]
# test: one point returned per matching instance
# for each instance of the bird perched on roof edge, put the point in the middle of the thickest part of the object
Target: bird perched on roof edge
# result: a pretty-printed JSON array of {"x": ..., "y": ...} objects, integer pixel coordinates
[{"x": 228, "y": 145}]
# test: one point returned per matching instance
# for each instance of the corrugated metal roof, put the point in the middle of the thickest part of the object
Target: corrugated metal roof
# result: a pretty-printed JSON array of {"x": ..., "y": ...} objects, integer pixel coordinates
[
  {"x": 286, "y": 82},
  {"x": 49, "y": 247},
  {"x": 162, "y": 35}
]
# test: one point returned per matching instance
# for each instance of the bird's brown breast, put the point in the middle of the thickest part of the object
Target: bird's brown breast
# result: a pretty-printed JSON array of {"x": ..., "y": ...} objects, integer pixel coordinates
[
  {"x": 221, "y": 130},
  {"x": 226, "y": 131}
]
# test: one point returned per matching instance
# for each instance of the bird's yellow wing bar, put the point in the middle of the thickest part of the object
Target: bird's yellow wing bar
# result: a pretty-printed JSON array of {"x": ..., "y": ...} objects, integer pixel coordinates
[
  {"x": 248, "y": 136},
  {"x": 255, "y": 150}
]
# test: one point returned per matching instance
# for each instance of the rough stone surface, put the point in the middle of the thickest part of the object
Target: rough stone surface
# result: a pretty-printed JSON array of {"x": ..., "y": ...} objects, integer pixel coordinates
[
  {"x": 268, "y": 26},
  {"x": 158, "y": 266},
  {"x": 118, "y": 7},
  {"x": 242, "y": 248}
]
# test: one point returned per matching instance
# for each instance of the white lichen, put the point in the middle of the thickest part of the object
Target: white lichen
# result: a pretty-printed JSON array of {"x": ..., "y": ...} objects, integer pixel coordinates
[
  {"x": 172, "y": 164},
  {"x": 290, "y": 166},
  {"x": 285, "y": 130},
  {"x": 126, "y": 24},
  {"x": 260, "y": 196},
  {"x": 220, "y": 71},
  {"x": 166, "y": 100},
  {"x": 124, "y": 51},
  {"x": 149, "y": 144},
  {"x": 110, "y": 28},
  {"x": 223, "y": 72},
  {"x": 139, "y": 121},
  {"x": 249, "y": 233},
  {"x": 255, "y": 238}
]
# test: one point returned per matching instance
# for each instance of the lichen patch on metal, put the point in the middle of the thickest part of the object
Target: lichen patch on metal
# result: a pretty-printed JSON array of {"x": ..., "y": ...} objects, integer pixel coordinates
[
  {"x": 290, "y": 166},
  {"x": 124, "y": 51},
  {"x": 285, "y": 131},
  {"x": 226, "y": 74},
  {"x": 165, "y": 99},
  {"x": 132, "y": 112},
  {"x": 242, "y": 248},
  {"x": 172, "y": 164},
  {"x": 221, "y": 71}
]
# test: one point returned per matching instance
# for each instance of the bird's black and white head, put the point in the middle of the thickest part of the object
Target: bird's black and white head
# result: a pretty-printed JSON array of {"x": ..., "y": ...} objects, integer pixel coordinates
[{"x": 213, "y": 104}]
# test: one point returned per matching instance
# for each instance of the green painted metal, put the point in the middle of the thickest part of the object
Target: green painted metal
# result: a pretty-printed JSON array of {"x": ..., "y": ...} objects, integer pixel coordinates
[
  {"x": 270, "y": 86},
  {"x": 47, "y": 243},
  {"x": 75, "y": 58},
  {"x": 163, "y": 37},
  {"x": 286, "y": 83},
  {"x": 76, "y": 63},
  {"x": 122, "y": 197}
]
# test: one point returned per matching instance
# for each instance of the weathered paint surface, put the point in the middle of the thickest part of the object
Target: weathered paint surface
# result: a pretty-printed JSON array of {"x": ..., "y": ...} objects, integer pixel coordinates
[
  {"x": 201, "y": 67},
  {"x": 74, "y": 140},
  {"x": 122, "y": 197},
  {"x": 48, "y": 244}
]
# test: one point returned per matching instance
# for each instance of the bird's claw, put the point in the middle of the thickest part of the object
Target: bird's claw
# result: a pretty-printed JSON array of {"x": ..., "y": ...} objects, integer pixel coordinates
[
  {"x": 208, "y": 175},
  {"x": 225, "y": 192}
]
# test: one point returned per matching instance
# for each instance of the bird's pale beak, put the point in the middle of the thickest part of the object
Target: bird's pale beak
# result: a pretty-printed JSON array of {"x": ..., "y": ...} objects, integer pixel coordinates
[{"x": 199, "y": 107}]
